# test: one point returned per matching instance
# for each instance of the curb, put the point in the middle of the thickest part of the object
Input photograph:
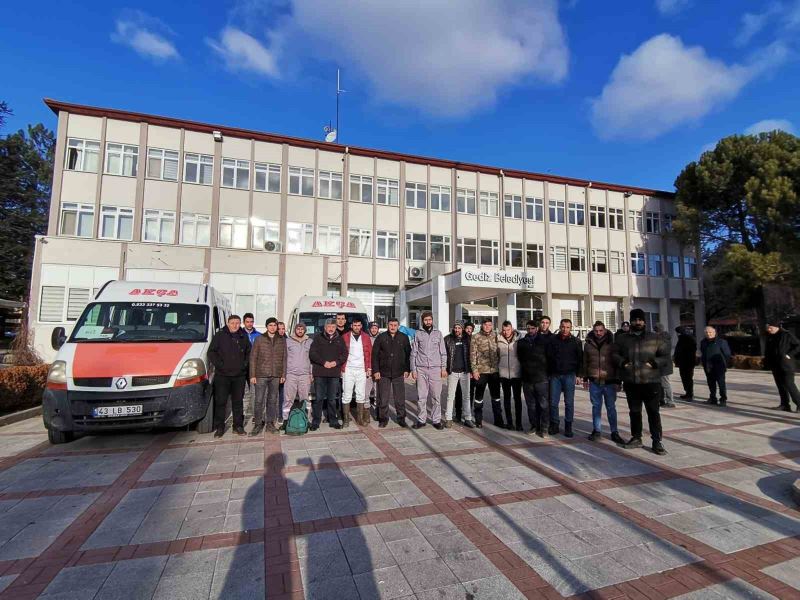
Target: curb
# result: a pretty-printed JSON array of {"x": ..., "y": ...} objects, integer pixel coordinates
[{"x": 21, "y": 415}]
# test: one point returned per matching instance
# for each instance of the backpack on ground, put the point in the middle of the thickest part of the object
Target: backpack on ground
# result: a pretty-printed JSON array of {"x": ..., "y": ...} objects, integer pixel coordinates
[{"x": 297, "y": 421}]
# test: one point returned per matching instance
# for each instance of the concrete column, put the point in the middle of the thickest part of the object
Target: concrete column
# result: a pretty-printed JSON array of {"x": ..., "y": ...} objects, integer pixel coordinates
[
  {"x": 507, "y": 308},
  {"x": 699, "y": 318},
  {"x": 626, "y": 308},
  {"x": 458, "y": 312},
  {"x": 402, "y": 307},
  {"x": 663, "y": 312},
  {"x": 439, "y": 305}
]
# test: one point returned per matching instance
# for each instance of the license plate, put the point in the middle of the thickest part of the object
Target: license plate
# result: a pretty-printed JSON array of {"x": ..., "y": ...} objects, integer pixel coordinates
[{"x": 117, "y": 411}]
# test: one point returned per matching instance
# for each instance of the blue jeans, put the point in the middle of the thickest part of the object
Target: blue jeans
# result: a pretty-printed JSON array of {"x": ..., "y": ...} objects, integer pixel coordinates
[
  {"x": 597, "y": 394},
  {"x": 565, "y": 383}
]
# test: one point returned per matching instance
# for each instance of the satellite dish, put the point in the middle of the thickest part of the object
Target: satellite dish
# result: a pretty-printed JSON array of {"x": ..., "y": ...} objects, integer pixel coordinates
[{"x": 331, "y": 137}]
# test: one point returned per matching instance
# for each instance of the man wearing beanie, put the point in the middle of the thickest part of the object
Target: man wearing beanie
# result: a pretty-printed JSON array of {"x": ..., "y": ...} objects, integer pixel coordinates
[
  {"x": 428, "y": 367},
  {"x": 642, "y": 357},
  {"x": 780, "y": 354}
]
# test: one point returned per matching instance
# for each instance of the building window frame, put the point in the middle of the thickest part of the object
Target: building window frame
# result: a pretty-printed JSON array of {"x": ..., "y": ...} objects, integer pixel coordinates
[
  {"x": 466, "y": 202},
  {"x": 514, "y": 255},
  {"x": 599, "y": 260},
  {"x": 82, "y": 216},
  {"x": 489, "y": 253},
  {"x": 534, "y": 256},
  {"x": 467, "y": 251},
  {"x": 122, "y": 159},
  {"x": 232, "y": 232},
  {"x": 164, "y": 221},
  {"x": 301, "y": 181},
  {"x": 235, "y": 173},
  {"x": 674, "y": 267},
  {"x": 264, "y": 231},
  {"x": 597, "y": 216},
  {"x": 616, "y": 218},
  {"x": 652, "y": 222},
  {"x": 558, "y": 258},
  {"x": 198, "y": 168},
  {"x": 577, "y": 259},
  {"x": 388, "y": 191},
  {"x": 330, "y": 185},
  {"x": 82, "y": 155},
  {"x": 416, "y": 195},
  {"x": 361, "y": 189},
  {"x": 512, "y": 206},
  {"x": 635, "y": 220},
  {"x": 387, "y": 244},
  {"x": 416, "y": 246},
  {"x": 117, "y": 215},
  {"x": 329, "y": 239},
  {"x": 363, "y": 242},
  {"x": 195, "y": 229},
  {"x": 489, "y": 204},
  {"x": 440, "y": 198},
  {"x": 440, "y": 248},
  {"x": 638, "y": 263},
  {"x": 557, "y": 211},
  {"x": 655, "y": 265},
  {"x": 689, "y": 267},
  {"x": 157, "y": 161},
  {"x": 534, "y": 209},
  {"x": 299, "y": 237},
  {"x": 617, "y": 262},
  {"x": 267, "y": 177},
  {"x": 577, "y": 213}
]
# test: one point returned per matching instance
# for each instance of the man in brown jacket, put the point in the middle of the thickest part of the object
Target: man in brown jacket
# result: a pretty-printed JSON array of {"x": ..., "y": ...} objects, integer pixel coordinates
[
  {"x": 600, "y": 378},
  {"x": 267, "y": 372}
]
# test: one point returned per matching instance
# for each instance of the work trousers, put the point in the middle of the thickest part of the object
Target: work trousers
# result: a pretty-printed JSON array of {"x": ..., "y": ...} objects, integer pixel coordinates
[
  {"x": 493, "y": 381},
  {"x": 325, "y": 389},
  {"x": 266, "y": 398},
  {"x": 687, "y": 379},
  {"x": 565, "y": 384},
  {"x": 228, "y": 387},
  {"x": 461, "y": 391},
  {"x": 458, "y": 382},
  {"x": 391, "y": 387},
  {"x": 649, "y": 395},
  {"x": 666, "y": 386},
  {"x": 429, "y": 387},
  {"x": 353, "y": 379},
  {"x": 537, "y": 400},
  {"x": 600, "y": 394},
  {"x": 296, "y": 385},
  {"x": 787, "y": 388}
]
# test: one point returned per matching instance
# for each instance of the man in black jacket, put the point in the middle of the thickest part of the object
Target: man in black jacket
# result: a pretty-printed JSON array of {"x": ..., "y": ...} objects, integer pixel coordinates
[
  {"x": 779, "y": 357},
  {"x": 532, "y": 354},
  {"x": 459, "y": 373},
  {"x": 685, "y": 358},
  {"x": 327, "y": 355},
  {"x": 391, "y": 366},
  {"x": 229, "y": 352},
  {"x": 564, "y": 361},
  {"x": 641, "y": 357}
]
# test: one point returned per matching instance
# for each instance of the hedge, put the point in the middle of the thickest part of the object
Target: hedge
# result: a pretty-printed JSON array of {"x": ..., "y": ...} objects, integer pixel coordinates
[{"x": 21, "y": 387}]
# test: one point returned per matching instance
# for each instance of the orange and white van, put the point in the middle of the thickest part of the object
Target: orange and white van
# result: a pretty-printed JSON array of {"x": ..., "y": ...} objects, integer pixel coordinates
[{"x": 136, "y": 358}]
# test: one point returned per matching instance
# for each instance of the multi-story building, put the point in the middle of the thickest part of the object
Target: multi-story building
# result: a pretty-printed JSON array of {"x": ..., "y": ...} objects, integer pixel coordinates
[{"x": 267, "y": 218}]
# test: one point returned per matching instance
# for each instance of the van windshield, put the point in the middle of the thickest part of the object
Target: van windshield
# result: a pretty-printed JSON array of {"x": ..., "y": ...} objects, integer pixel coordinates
[
  {"x": 141, "y": 322},
  {"x": 315, "y": 321}
]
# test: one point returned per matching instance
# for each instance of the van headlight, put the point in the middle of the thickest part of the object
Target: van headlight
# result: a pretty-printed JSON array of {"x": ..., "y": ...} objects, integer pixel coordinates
[
  {"x": 57, "y": 376},
  {"x": 192, "y": 371}
]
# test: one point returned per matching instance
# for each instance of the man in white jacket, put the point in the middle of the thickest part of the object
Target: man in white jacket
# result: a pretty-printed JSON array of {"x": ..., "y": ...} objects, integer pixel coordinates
[{"x": 428, "y": 368}]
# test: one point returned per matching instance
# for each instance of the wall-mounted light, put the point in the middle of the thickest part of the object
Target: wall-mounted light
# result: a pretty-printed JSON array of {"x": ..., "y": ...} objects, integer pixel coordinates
[
  {"x": 217, "y": 136},
  {"x": 628, "y": 194}
]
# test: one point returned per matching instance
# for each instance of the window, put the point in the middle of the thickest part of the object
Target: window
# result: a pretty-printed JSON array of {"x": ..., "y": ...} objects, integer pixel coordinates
[
  {"x": 77, "y": 299},
  {"x": 637, "y": 263},
  {"x": 299, "y": 238},
  {"x": 416, "y": 195},
  {"x": 467, "y": 251},
  {"x": 490, "y": 252},
  {"x": 514, "y": 254},
  {"x": 534, "y": 209},
  {"x": 82, "y": 155},
  {"x": 577, "y": 213},
  {"x": 361, "y": 189},
  {"x": 440, "y": 248},
  {"x": 360, "y": 242},
  {"x": 329, "y": 239},
  {"x": 558, "y": 258},
  {"x": 529, "y": 308},
  {"x": 301, "y": 181},
  {"x": 616, "y": 218},
  {"x": 668, "y": 219},
  {"x": 116, "y": 223},
  {"x": 330, "y": 185},
  {"x": 195, "y": 229},
  {"x": 512, "y": 207},
  {"x": 635, "y": 220},
  {"x": 440, "y": 198},
  {"x": 489, "y": 204},
  {"x": 198, "y": 168},
  {"x": 617, "y": 262},
  {"x": 577, "y": 259},
  {"x": 597, "y": 216},
  {"x": 122, "y": 159},
  {"x": 674, "y": 266},
  {"x": 654, "y": 264},
  {"x": 556, "y": 211},
  {"x": 653, "y": 222},
  {"x": 609, "y": 317},
  {"x": 51, "y": 305},
  {"x": 465, "y": 201},
  {"x": 689, "y": 267},
  {"x": 236, "y": 173},
  {"x": 388, "y": 192},
  {"x": 77, "y": 219},
  {"x": 388, "y": 244},
  {"x": 268, "y": 178},
  {"x": 599, "y": 261},
  {"x": 162, "y": 164},
  {"x": 534, "y": 256},
  {"x": 416, "y": 246},
  {"x": 233, "y": 232},
  {"x": 576, "y": 316},
  {"x": 158, "y": 226},
  {"x": 263, "y": 232}
]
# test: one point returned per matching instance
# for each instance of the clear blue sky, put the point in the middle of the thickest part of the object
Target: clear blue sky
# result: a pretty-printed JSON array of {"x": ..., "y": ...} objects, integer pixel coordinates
[{"x": 626, "y": 92}]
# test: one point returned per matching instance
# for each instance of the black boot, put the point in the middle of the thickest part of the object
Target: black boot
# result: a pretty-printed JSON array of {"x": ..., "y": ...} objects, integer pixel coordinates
[
  {"x": 553, "y": 428},
  {"x": 497, "y": 412},
  {"x": 568, "y": 429}
]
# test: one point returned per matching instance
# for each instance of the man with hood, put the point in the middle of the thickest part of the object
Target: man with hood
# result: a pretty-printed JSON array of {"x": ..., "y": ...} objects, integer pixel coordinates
[
  {"x": 428, "y": 368},
  {"x": 780, "y": 354},
  {"x": 327, "y": 354},
  {"x": 267, "y": 372},
  {"x": 510, "y": 373},
  {"x": 457, "y": 345},
  {"x": 483, "y": 360},
  {"x": 641, "y": 357},
  {"x": 685, "y": 358},
  {"x": 600, "y": 378},
  {"x": 355, "y": 372},
  {"x": 298, "y": 369},
  {"x": 532, "y": 354}
]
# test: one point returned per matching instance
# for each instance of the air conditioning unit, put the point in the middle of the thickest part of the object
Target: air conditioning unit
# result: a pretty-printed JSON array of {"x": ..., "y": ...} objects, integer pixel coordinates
[
  {"x": 273, "y": 246},
  {"x": 416, "y": 273}
]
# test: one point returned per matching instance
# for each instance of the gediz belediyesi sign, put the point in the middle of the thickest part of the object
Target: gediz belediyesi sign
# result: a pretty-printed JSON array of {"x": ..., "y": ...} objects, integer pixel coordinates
[{"x": 496, "y": 279}]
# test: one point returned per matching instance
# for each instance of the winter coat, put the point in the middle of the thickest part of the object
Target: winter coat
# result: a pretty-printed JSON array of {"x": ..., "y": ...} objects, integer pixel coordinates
[
  {"x": 641, "y": 358},
  {"x": 391, "y": 355},
  {"x": 297, "y": 361},
  {"x": 781, "y": 352},
  {"x": 252, "y": 335},
  {"x": 508, "y": 361},
  {"x": 564, "y": 355},
  {"x": 428, "y": 351},
  {"x": 714, "y": 354},
  {"x": 268, "y": 356},
  {"x": 598, "y": 359},
  {"x": 366, "y": 346},
  {"x": 532, "y": 355},
  {"x": 325, "y": 348},
  {"x": 685, "y": 354},
  {"x": 483, "y": 352},
  {"x": 229, "y": 352},
  {"x": 451, "y": 346}
]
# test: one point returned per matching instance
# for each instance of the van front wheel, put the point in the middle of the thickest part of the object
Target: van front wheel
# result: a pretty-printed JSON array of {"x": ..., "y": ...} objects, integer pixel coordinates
[
  {"x": 60, "y": 437},
  {"x": 206, "y": 424}
]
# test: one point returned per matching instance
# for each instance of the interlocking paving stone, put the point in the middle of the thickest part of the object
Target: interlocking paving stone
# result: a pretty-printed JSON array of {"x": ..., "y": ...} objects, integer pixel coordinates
[
  {"x": 11, "y": 445},
  {"x": 108, "y": 441},
  {"x": 775, "y": 428},
  {"x": 6, "y": 580},
  {"x": 681, "y": 456},
  {"x": 766, "y": 481},
  {"x": 307, "y": 450},
  {"x": 735, "y": 589},
  {"x": 585, "y": 461},
  {"x": 228, "y": 458},
  {"x": 428, "y": 440},
  {"x": 743, "y": 443},
  {"x": 57, "y": 472},
  {"x": 788, "y": 572}
]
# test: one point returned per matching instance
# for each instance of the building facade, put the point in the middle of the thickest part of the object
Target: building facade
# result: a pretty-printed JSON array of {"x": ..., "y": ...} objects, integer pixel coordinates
[{"x": 268, "y": 218}]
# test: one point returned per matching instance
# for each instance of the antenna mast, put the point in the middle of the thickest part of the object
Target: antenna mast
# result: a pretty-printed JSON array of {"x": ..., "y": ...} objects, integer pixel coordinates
[{"x": 338, "y": 93}]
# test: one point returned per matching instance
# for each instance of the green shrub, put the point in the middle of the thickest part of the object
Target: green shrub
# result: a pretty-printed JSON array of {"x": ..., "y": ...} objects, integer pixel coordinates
[{"x": 21, "y": 387}]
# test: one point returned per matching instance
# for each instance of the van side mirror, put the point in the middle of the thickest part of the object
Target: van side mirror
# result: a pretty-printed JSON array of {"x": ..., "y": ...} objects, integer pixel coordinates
[{"x": 58, "y": 337}]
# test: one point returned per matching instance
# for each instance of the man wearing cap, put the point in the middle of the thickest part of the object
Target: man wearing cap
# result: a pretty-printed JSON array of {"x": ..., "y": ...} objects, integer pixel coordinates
[
  {"x": 355, "y": 372},
  {"x": 780, "y": 354},
  {"x": 371, "y": 390},
  {"x": 298, "y": 369},
  {"x": 428, "y": 367},
  {"x": 458, "y": 370},
  {"x": 267, "y": 372},
  {"x": 327, "y": 354},
  {"x": 641, "y": 358},
  {"x": 391, "y": 358}
]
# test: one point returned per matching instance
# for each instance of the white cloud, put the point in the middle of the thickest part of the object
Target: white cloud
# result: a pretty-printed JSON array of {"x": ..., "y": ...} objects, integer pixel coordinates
[
  {"x": 147, "y": 35},
  {"x": 664, "y": 84},
  {"x": 768, "y": 125},
  {"x": 782, "y": 17},
  {"x": 243, "y": 52},
  {"x": 442, "y": 61},
  {"x": 671, "y": 7}
]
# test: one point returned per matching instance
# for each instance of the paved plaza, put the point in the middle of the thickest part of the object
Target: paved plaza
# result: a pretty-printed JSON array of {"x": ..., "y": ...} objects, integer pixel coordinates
[{"x": 368, "y": 513}]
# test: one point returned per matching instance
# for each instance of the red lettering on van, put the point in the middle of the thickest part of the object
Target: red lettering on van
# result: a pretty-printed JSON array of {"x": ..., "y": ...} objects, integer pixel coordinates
[
  {"x": 135, "y": 292},
  {"x": 317, "y": 304}
]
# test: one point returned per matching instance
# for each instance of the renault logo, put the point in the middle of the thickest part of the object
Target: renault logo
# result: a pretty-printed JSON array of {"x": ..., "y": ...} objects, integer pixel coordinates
[{"x": 121, "y": 383}]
